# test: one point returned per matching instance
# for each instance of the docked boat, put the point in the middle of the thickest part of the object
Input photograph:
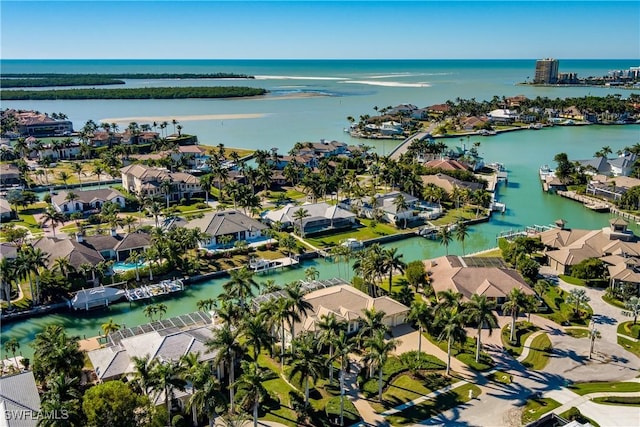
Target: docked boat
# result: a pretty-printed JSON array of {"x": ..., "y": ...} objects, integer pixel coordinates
[
  {"x": 353, "y": 244},
  {"x": 535, "y": 126},
  {"x": 545, "y": 172},
  {"x": 101, "y": 296},
  {"x": 149, "y": 291}
]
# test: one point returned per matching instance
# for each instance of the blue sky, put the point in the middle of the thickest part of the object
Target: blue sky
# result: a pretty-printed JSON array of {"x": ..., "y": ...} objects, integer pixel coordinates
[{"x": 319, "y": 29}]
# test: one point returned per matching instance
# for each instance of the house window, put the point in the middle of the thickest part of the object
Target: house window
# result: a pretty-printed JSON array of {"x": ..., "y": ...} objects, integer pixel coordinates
[
  {"x": 78, "y": 206},
  {"x": 65, "y": 208}
]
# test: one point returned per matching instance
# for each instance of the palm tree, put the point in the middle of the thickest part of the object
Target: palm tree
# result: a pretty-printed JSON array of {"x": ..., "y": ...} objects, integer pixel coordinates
[
  {"x": 8, "y": 274},
  {"x": 452, "y": 330},
  {"x": 288, "y": 243},
  {"x": 579, "y": 298},
  {"x": 50, "y": 215},
  {"x": 278, "y": 310},
  {"x": 298, "y": 305},
  {"x": 401, "y": 205},
  {"x": 240, "y": 285},
  {"x": 166, "y": 187},
  {"x": 480, "y": 310},
  {"x": 37, "y": 259},
  {"x": 63, "y": 266},
  {"x": 377, "y": 351},
  {"x": 206, "y": 181},
  {"x": 256, "y": 332},
  {"x": 251, "y": 382},
  {"x": 227, "y": 346},
  {"x": 62, "y": 396},
  {"x": 300, "y": 214},
  {"x": 445, "y": 237},
  {"x": 371, "y": 321},
  {"x": 161, "y": 310},
  {"x": 11, "y": 346},
  {"x": 150, "y": 311},
  {"x": 514, "y": 305},
  {"x": 206, "y": 304},
  {"x": 168, "y": 378},
  {"x": 391, "y": 262},
  {"x": 135, "y": 258},
  {"x": 55, "y": 352},
  {"x": 143, "y": 374},
  {"x": 449, "y": 300},
  {"x": 330, "y": 328},
  {"x": 128, "y": 221},
  {"x": 311, "y": 274},
  {"x": 205, "y": 391},
  {"x": 461, "y": 232},
  {"x": 155, "y": 210},
  {"x": 64, "y": 177},
  {"x": 344, "y": 346},
  {"x": 305, "y": 360},
  {"x": 110, "y": 327},
  {"x": 633, "y": 307},
  {"x": 423, "y": 315}
]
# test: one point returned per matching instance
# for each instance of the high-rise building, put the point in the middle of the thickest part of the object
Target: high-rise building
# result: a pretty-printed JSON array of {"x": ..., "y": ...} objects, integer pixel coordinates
[{"x": 546, "y": 71}]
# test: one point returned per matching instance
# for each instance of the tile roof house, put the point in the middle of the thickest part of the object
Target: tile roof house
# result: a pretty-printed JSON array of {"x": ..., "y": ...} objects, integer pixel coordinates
[
  {"x": 19, "y": 395},
  {"x": 144, "y": 180},
  {"x": 77, "y": 252},
  {"x": 6, "y": 213},
  {"x": 615, "y": 245},
  {"x": 445, "y": 164},
  {"x": 9, "y": 174},
  {"x": 452, "y": 273},
  {"x": 227, "y": 223},
  {"x": 384, "y": 205},
  {"x": 86, "y": 200},
  {"x": 347, "y": 304},
  {"x": 449, "y": 183},
  {"x": 322, "y": 217},
  {"x": 118, "y": 246}
]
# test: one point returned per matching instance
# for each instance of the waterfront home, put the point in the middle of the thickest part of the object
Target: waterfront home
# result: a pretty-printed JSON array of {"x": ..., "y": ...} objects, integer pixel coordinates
[
  {"x": 165, "y": 341},
  {"x": 232, "y": 223},
  {"x": 402, "y": 109},
  {"x": 320, "y": 217},
  {"x": 473, "y": 123},
  {"x": 439, "y": 109},
  {"x": 323, "y": 149},
  {"x": 347, "y": 303},
  {"x": 449, "y": 183},
  {"x": 445, "y": 164},
  {"x": 148, "y": 182},
  {"x": 385, "y": 128},
  {"x": 33, "y": 123},
  {"x": 453, "y": 273},
  {"x": 19, "y": 400},
  {"x": 622, "y": 165},
  {"x": 117, "y": 246},
  {"x": 9, "y": 174},
  {"x": 77, "y": 252},
  {"x": 610, "y": 187},
  {"x": 86, "y": 201},
  {"x": 383, "y": 206},
  {"x": 568, "y": 247}
]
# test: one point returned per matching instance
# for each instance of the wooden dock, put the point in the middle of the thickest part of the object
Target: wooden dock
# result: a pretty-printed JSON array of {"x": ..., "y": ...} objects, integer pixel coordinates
[{"x": 592, "y": 203}]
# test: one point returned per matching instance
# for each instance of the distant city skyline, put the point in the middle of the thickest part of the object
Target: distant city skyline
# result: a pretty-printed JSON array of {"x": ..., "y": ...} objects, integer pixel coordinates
[{"x": 319, "y": 30}]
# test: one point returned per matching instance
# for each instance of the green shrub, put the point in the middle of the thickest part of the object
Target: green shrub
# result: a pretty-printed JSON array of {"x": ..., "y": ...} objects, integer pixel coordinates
[{"x": 201, "y": 206}]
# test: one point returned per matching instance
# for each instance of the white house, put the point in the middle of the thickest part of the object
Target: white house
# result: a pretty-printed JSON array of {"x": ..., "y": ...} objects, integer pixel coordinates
[
  {"x": 503, "y": 115},
  {"x": 86, "y": 200}
]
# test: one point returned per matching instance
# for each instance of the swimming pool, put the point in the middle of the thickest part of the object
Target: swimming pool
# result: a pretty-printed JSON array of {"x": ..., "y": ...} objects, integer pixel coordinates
[{"x": 120, "y": 266}]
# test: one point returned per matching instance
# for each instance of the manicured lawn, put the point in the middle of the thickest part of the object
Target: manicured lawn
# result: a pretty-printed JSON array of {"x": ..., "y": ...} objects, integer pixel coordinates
[
  {"x": 597, "y": 387},
  {"x": 613, "y": 301},
  {"x": 466, "y": 353},
  {"x": 289, "y": 193},
  {"x": 452, "y": 216},
  {"x": 574, "y": 414},
  {"x": 407, "y": 387},
  {"x": 571, "y": 280},
  {"x": 632, "y": 346},
  {"x": 629, "y": 329},
  {"x": 538, "y": 356},
  {"x": 495, "y": 253},
  {"x": 618, "y": 400},
  {"x": 536, "y": 408},
  {"x": 432, "y": 407},
  {"x": 523, "y": 330},
  {"x": 192, "y": 209},
  {"x": 577, "y": 332},
  {"x": 561, "y": 312},
  {"x": 500, "y": 377},
  {"x": 362, "y": 233}
]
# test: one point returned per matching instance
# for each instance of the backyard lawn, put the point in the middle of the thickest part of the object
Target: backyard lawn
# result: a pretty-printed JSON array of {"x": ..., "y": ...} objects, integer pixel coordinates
[{"x": 362, "y": 233}]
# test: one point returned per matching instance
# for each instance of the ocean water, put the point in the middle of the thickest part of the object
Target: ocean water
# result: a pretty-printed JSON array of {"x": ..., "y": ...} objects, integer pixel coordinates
[{"x": 293, "y": 111}]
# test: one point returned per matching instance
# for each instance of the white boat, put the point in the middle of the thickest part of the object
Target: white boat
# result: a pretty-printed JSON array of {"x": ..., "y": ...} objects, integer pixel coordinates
[
  {"x": 535, "y": 126},
  {"x": 352, "y": 243},
  {"x": 96, "y": 297},
  {"x": 545, "y": 171}
]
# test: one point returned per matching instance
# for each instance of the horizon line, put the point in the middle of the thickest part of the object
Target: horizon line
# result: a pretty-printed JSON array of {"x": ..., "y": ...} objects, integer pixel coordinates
[{"x": 309, "y": 59}]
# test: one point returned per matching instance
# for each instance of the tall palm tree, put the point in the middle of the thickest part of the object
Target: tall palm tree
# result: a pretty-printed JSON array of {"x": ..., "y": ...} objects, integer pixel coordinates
[
  {"x": 166, "y": 186},
  {"x": 371, "y": 321},
  {"x": 252, "y": 383},
  {"x": 206, "y": 181},
  {"x": 63, "y": 266},
  {"x": 391, "y": 262},
  {"x": 155, "y": 210},
  {"x": 256, "y": 333},
  {"x": 8, "y": 274},
  {"x": 205, "y": 391},
  {"x": 206, "y": 304},
  {"x": 515, "y": 304},
  {"x": 376, "y": 353},
  {"x": 241, "y": 285},
  {"x": 168, "y": 378},
  {"x": 423, "y": 316},
  {"x": 480, "y": 310},
  {"x": 461, "y": 232},
  {"x": 227, "y": 345},
  {"x": 55, "y": 352},
  {"x": 445, "y": 237},
  {"x": 300, "y": 214},
  {"x": 344, "y": 346},
  {"x": 401, "y": 206},
  {"x": 305, "y": 361},
  {"x": 453, "y": 331},
  {"x": 143, "y": 377},
  {"x": 64, "y": 177},
  {"x": 278, "y": 310},
  {"x": 449, "y": 300},
  {"x": 311, "y": 274},
  {"x": 298, "y": 305},
  {"x": 76, "y": 167},
  {"x": 62, "y": 396},
  {"x": 330, "y": 328},
  {"x": 38, "y": 259},
  {"x": 11, "y": 346},
  {"x": 53, "y": 217}
]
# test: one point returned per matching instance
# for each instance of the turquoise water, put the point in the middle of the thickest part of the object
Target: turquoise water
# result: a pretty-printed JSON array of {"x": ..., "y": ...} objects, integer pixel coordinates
[
  {"x": 121, "y": 266},
  {"x": 284, "y": 121}
]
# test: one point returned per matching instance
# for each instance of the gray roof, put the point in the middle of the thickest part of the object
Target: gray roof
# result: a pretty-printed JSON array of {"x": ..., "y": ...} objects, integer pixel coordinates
[
  {"x": 103, "y": 242},
  {"x": 86, "y": 196},
  {"x": 600, "y": 164},
  {"x": 315, "y": 211},
  {"x": 134, "y": 241},
  {"x": 623, "y": 161},
  {"x": 8, "y": 250},
  {"x": 77, "y": 253},
  {"x": 4, "y": 205},
  {"x": 226, "y": 222},
  {"x": 18, "y": 393}
]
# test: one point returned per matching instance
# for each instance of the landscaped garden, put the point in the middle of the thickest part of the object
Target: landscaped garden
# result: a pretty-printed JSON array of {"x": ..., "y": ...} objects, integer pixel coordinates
[
  {"x": 523, "y": 330},
  {"x": 600, "y": 386},
  {"x": 365, "y": 232},
  {"x": 566, "y": 308},
  {"x": 537, "y": 407},
  {"x": 538, "y": 355},
  {"x": 632, "y": 331}
]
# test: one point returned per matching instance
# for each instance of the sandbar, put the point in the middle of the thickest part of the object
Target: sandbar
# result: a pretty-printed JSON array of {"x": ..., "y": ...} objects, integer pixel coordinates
[{"x": 190, "y": 118}]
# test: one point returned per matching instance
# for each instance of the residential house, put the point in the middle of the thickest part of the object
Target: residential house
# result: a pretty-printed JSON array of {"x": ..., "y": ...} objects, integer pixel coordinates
[
  {"x": 323, "y": 148},
  {"x": 8, "y": 250},
  {"x": 402, "y": 109},
  {"x": 6, "y": 213},
  {"x": 347, "y": 303},
  {"x": 101, "y": 139},
  {"x": 321, "y": 217},
  {"x": 515, "y": 101},
  {"x": 9, "y": 174},
  {"x": 384, "y": 206},
  {"x": 611, "y": 187},
  {"x": 449, "y": 183},
  {"x": 439, "y": 108},
  {"x": 164, "y": 341},
  {"x": 147, "y": 181},
  {"x": 472, "y": 123},
  {"x": 19, "y": 400},
  {"x": 445, "y": 164},
  {"x": 77, "y": 252},
  {"x": 623, "y": 164},
  {"x": 568, "y": 247},
  {"x": 385, "y": 128},
  {"x": 420, "y": 114},
  {"x": 86, "y": 200},
  {"x": 453, "y": 273},
  {"x": 229, "y": 222},
  {"x": 117, "y": 246},
  {"x": 572, "y": 113},
  {"x": 31, "y": 123}
]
